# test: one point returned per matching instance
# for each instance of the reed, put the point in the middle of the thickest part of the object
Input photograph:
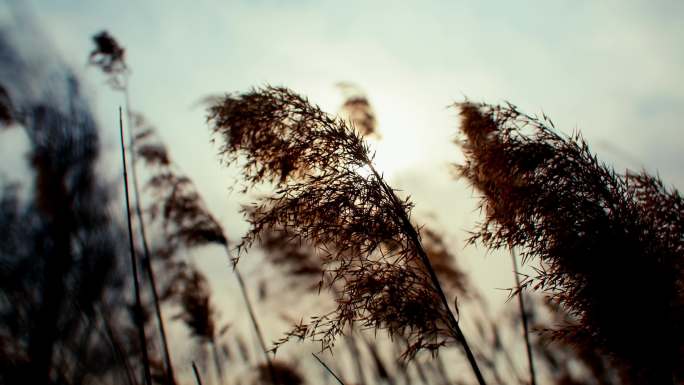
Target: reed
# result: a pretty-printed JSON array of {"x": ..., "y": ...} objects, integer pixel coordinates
[
  {"x": 523, "y": 317},
  {"x": 134, "y": 264},
  {"x": 109, "y": 56},
  {"x": 320, "y": 166},
  {"x": 185, "y": 219},
  {"x": 610, "y": 244},
  {"x": 198, "y": 378}
]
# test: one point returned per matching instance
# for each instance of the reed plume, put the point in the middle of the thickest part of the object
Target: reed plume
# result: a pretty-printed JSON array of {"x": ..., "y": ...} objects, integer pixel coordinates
[
  {"x": 329, "y": 193},
  {"x": 356, "y": 108},
  {"x": 299, "y": 260},
  {"x": 186, "y": 221},
  {"x": 195, "y": 300},
  {"x": 199, "y": 314},
  {"x": 109, "y": 56},
  {"x": 610, "y": 245}
]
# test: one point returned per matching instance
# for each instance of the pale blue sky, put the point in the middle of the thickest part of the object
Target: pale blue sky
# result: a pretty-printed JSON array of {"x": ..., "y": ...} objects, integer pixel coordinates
[{"x": 612, "y": 69}]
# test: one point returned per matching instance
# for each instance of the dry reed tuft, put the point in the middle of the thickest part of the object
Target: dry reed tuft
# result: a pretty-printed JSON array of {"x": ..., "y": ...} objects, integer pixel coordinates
[
  {"x": 454, "y": 280},
  {"x": 358, "y": 110},
  {"x": 328, "y": 193},
  {"x": 185, "y": 219},
  {"x": 109, "y": 56},
  {"x": 195, "y": 300},
  {"x": 610, "y": 245},
  {"x": 299, "y": 260}
]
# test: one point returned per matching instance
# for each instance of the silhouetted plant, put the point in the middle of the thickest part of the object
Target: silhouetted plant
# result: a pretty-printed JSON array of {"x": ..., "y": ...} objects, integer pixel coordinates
[
  {"x": 185, "y": 219},
  {"x": 198, "y": 313},
  {"x": 59, "y": 256},
  {"x": 358, "y": 110},
  {"x": 610, "y": 245},
  {"x": 560, "y": 358},
  {"x": 138, "y": 310},
  {"x": 329, "y": 193},
  {"x": 301, "y": 263},
  {"x": 109, "y": 56},
  {"x": 297, "y": 259}
]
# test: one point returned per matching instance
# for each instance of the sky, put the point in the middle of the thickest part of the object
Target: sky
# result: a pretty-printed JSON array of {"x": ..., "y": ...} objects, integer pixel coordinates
[{"x": 611, "y": 70}]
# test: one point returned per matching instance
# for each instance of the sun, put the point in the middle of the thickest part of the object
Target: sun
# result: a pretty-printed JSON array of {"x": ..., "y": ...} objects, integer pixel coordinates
[{"x": 394, "y": 151}]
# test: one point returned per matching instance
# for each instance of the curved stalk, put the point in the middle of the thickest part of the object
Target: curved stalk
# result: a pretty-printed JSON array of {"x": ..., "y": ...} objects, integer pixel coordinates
[
  {"x": 523, "y": 316},
  {"x": 134, "y": 264},
  {"x": 456, "y": 331},
  {"x": 252, "y": 316},
  {"x": 146, "y": 249}
]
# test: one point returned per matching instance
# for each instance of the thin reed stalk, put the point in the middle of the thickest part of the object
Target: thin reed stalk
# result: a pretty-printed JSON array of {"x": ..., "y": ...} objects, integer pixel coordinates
[
  {"x": 456, "y": 331},
  {"x": 146, "y": 249},
  {"x": 252, "y": 316},
  {"x": 197, "y": 375},
  {"x": 328, "y": 369},
  {"x": 523, "y": 316},
  {"x": 217, "y": 361},
  {"x": 134, "y": 264},
  {"x": 117, "y": 348},
  {"x": 110, "y": 57},
  {"x": 421, "y": 372},
  {"x": 186, "y": 220},
  {"x": 356, "y": 357},
  {"x": 319, "y": 165},
  {"x": 441, "y": 370}
]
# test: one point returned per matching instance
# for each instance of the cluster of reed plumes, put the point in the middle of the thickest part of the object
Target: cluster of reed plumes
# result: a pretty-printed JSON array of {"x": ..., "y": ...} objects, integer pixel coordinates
[
  {"x": 184, "y": 217},
  {"x": 329, "y": 194},
  {"x": 358, "y": 110},
  {"x": 610, "y": 245}
]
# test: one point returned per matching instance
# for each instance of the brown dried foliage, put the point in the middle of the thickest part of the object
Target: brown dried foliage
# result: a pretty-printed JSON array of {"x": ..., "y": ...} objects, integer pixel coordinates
[
  {"x": 357, "y": 108},
  {"x": 297, "y": 259},
  {"x": 563, "y": 360},
  {"x": 452, "y": 278},
  {"x": 303, "y": 261},
  {"x": 185, "y": 218},
  {"x": 611, "y": 245},
  {"x": 329, "y": 194},
  {"x": 195, "y": 300},
  {"x": 108, "y": 54}
]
